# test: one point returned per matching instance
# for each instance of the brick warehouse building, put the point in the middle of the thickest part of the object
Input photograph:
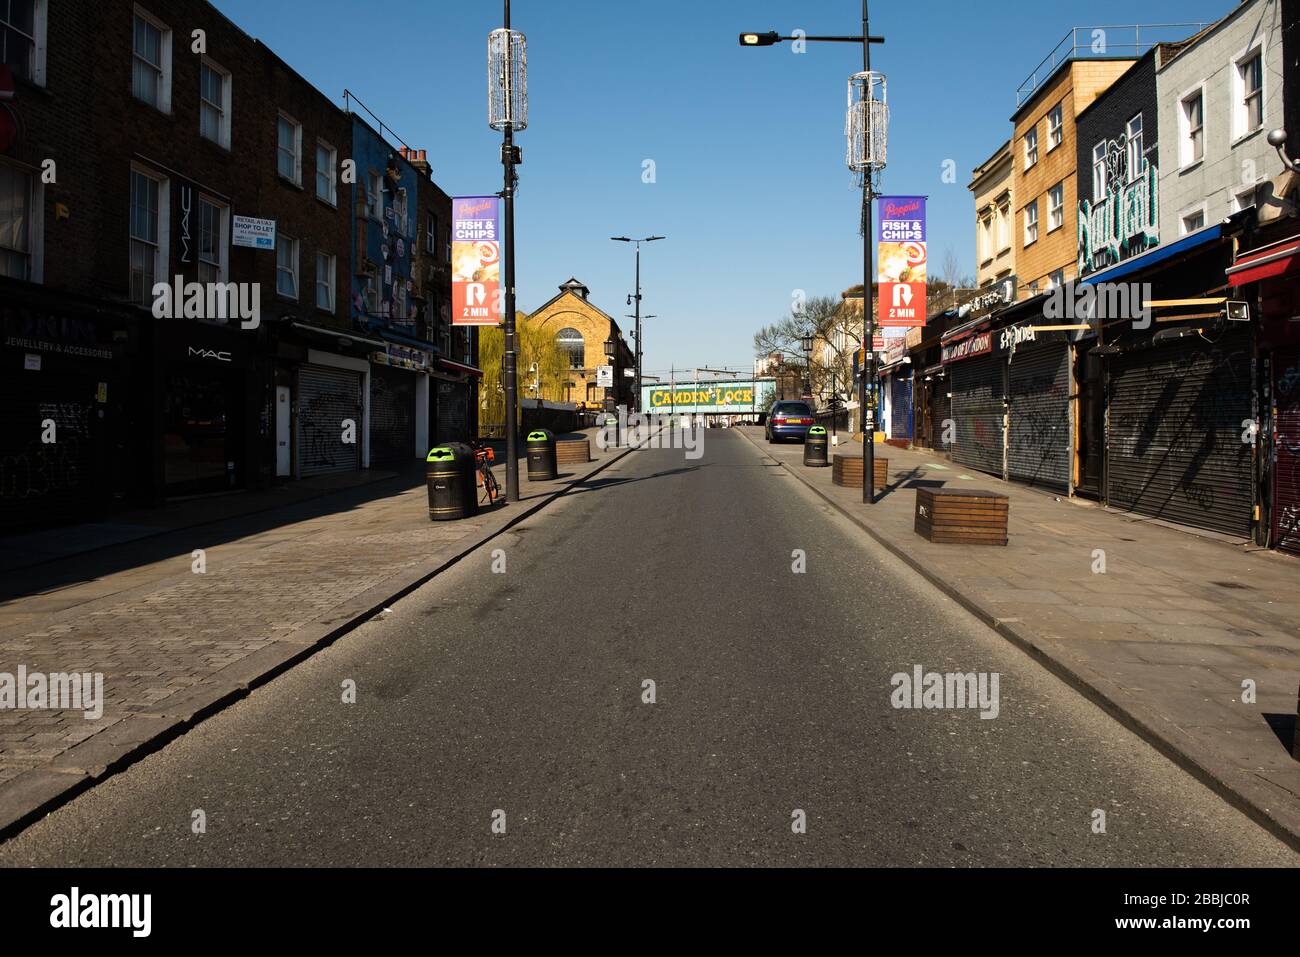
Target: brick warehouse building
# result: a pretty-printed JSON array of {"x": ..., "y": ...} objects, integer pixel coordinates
[{"x": 163, "y": 140}]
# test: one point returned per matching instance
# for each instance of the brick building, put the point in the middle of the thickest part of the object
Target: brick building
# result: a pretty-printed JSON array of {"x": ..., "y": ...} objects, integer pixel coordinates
[{"x": 582, "y": 330}]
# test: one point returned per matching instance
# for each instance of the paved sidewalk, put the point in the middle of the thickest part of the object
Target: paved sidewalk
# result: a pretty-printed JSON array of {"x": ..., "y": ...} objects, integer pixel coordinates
[
  {"x": 174, "y": 645},
  {"x": 1163, "y": 640}
]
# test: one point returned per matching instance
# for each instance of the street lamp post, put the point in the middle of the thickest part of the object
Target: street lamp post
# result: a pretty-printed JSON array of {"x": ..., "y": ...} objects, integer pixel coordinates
[
  {"x": 507, "y": 112},
  {"x": 636, "y": 396},
  {"x": 865, "y": 158}
]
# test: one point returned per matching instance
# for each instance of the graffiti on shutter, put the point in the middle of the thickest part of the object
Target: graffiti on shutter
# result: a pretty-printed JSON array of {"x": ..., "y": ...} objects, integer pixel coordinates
[{"x": 1038, "y": 434}]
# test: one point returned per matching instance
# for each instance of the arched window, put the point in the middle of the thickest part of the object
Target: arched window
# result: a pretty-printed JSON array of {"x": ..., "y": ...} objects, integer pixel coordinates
[{"x": 574, "y": 346}]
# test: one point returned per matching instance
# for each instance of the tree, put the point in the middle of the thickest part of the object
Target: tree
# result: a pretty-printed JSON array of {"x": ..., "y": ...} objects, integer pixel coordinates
[
  {"x": 537, "y": 347},
  {"x": 835, "y": 326}
]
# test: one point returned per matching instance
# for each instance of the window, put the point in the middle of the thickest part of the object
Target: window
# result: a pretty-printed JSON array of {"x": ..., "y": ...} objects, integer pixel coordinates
[
  {"x": 374, "y": 196},
  {"x": 1134, "y": 148},
  {"x": 574, "y": 346},
  {"x": 1056, "y": 207},
  {"x": 431, "y": 234},
  {"x": 1031, "y": 147},
  {"x": 1192, "y": 220},
  {"x": 16, "y": 207},
  {"x": 289, "y": 149},
  {"x": 22, "y": 38},
  {"x": 146, "y": 236},
  {"x": 325, "y": 269},
  {"x": 152, "y": 61},
  {"x": 212, "y": 241},
  {"x": 326, "y": 173},
  {"x": 1056, "y": 280},
  {"x": 1031, "y": 223},
  {"x": 1055, "y": 128},
  {"x": 370, "y": 289},
  {"x": 1099, "y": 172},
  {"x": 1249, "y": 112},
  {"x": 1191, "y": 122},
  {"x": 214, "y": 103},
  {"x": 1244, "y": 199},
  {"x": 400, "y": 311},
  {"x": 986, "y": 238},
  {"x": 286, "y": 267},
  {"x": 1004, "y": 227}
]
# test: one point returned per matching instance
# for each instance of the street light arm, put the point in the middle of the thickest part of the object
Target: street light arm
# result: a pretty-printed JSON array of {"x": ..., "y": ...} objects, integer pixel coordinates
[{"x": 771, "y": 38}]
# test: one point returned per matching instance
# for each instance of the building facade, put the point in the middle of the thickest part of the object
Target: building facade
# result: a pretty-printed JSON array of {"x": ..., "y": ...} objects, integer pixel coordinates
[
  {"x": 582, "y": 331},
  {"x": 995, "y": 204}
]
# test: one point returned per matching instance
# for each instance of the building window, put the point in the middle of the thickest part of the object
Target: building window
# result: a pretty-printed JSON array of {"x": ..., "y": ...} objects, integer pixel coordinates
[
  {"x": 212, "y": 243},
  {"x": 16, "y": 207},
  {"x": 326, "y": 173},
  {"x": 1056, "y": 207},
  {"x": 1004, "y": 227},
  {"x": 289, "y": 149},
  {"x": 1192, "y": 220},
  {"x": 1244, "y": 199},
  {"x": 1191, "y": 122},
  {"x": 1031, "y": 223},
  {"x": 22, "y": 38},
  {"x": 1099, "y": 172},
  {"x": 286, "y": 267},
  {"x": 146, "y": 236},
  {"x": 325, "y": 268},
  {"x": 574, "y": 346},
  {"x": 1031, "y": 147},
  {"x": 1249, "y": 99},
  {"x": 986, "y": 238},
  {"x": 401, "y": 311},
  {"x": 1056, "y": 280},
  {"x": 214, "y": 103},
  {"x": 370, "y": 289},
  {"x": 431, "y": 234},
  {"x": 152, "y": 61},
  {"x": 1055, "y": 128},
  {"x": 374, "y": 196},
  {"x": 1134, "y": 147}
]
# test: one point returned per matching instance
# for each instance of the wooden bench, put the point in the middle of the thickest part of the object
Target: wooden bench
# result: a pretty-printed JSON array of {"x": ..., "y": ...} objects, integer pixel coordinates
[
  {"x": 847, "y": 471},
  {"x": 572, "y": 451},
  {"x": 962, "y": 516}
]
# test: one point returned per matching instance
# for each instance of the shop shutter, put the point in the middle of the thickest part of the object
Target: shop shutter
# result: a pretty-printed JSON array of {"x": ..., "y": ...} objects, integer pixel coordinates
[
  {"x": 900, "y": 410},
  {"x": 977, "y": 408},
  {"x": 940, "y": 410},
  {"x": 392, "y": 417},
  {"x": 1286, "y": 472},
  {"x": 1174, "y": 442},
  {"x": 326, "y": 398},
  {"x": 453, "y": 412},
  {"x": 1038, "y": 433}
]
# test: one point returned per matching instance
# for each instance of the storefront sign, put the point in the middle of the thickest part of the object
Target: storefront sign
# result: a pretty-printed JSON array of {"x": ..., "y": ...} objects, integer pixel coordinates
[
  {"x": 34, "y": 332},
  {"x": 403, "y": 357},
  {"x": 252, "y": 233},
  {"x": 980, "y": 344},
  {"x": 901, "y": 261},
  {"x": 1127, "y": 222},
  {"x": 476, "y": 261}
]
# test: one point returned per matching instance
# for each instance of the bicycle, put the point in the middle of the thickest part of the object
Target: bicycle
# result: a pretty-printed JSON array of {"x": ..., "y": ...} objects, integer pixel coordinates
[{"x": 490, "y": 488}]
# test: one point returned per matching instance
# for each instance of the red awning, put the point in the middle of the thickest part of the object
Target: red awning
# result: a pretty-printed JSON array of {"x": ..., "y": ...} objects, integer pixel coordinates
[
  {"x": 459, "y": 367},
  {"x": 1279, "y": 259}
]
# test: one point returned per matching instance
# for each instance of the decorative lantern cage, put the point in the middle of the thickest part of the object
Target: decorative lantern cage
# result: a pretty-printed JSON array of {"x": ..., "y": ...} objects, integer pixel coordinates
[
  {"x": 867, "y": 125},
  {"x": 507, "y": 80}
]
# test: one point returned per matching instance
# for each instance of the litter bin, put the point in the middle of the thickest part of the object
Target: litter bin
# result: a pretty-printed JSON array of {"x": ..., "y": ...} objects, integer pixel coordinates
[
  {"x": 815, "y": 448},
  {"x": 453, "y": 493},
  {"x": 542, "y": 465}
]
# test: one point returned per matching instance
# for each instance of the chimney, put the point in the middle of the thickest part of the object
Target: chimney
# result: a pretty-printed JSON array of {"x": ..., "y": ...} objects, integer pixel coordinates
[{"x": 419, "y": 159}]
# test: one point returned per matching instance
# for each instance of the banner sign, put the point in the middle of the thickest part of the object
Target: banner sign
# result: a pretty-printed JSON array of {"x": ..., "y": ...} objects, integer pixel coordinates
[
  {"x": 980, "y": 344},
  {"x": 252, "y": 233},
  {"x": 722, "y": 398},
  {"x": 901, "y": 261},
  {"x": 476, "y": 261}
]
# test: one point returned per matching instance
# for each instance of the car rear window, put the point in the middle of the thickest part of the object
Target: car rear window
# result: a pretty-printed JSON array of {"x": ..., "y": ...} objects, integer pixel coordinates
[{"x": 792, "y": 408}]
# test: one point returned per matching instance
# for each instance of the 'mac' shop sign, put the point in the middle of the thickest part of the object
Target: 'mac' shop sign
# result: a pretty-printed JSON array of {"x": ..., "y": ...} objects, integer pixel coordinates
[{"x": 979, "y": 344}]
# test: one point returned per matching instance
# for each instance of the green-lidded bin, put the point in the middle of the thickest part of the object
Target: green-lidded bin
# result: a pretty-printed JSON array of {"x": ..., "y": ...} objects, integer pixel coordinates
[
  {"x": 542, "y": 466},
  {"x": 816, "y": 448},
  {"x": 453, "y": 491}
]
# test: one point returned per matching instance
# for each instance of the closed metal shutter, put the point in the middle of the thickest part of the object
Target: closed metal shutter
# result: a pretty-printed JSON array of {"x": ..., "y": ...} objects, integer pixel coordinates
[
  {"x": 327, "y": 398},
  {"x": 940, "y": 410},
  {"x": 1174, "y": 442},
  {"x": 900, "y": 409},
  {"x": 48, "y": 482},
  {"x": 1286, "y": 470},
  {"x": 453, "y": 412},
  {"x": 977, "y": 408},
  {"x": 392, "y": 417},
  {"x": 1038, "y": 433}
]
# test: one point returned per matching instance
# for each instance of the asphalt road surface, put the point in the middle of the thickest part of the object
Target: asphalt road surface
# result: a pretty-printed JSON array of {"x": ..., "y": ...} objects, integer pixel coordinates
[{"x": 522, "y": 692}]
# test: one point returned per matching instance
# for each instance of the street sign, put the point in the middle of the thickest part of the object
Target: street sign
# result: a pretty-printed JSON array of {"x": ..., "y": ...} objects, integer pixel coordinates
[
  {"x": 252, "y": 233},
  {"x": 604, "y": 377}
]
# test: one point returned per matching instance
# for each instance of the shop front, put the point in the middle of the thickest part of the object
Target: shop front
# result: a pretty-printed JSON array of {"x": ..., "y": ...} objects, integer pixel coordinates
[
  {"x": 455, "y": 395},
  {"x": 399, "y": 401},
  {"x": 66, "y": 435},
  {"x": 1039, "y": 442},
  {"x": 978, "y": 389}
]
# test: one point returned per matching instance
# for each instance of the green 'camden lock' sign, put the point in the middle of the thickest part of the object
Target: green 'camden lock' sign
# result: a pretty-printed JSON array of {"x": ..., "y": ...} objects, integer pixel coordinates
[{"x": 709, "y": 398}]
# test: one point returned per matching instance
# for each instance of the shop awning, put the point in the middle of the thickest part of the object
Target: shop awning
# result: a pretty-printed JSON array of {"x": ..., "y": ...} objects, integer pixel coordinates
[
  {"x": 1268, "y": 262},
  {"x": 458, "y": 367},
  {"x": 1197, "y": 239}
]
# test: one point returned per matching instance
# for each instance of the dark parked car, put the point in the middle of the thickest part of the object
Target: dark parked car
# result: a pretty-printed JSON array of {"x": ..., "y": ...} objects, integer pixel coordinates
[{"x": 789, "y": 420}]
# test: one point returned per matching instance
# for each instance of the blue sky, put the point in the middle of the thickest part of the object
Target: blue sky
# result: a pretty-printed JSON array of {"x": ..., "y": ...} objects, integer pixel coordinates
[{"x": 751, "y": 188}]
